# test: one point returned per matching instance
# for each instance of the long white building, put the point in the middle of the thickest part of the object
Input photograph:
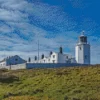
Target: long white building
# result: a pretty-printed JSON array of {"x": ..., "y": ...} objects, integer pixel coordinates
[
  {"x": 56, "y": 57},
  {"x": 82, "y": 54}
]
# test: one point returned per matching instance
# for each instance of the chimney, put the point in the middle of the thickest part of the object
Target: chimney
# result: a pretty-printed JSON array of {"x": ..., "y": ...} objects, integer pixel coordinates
[
  {"x": 42, "y": 56},
  {"x": 35, "y": 58},
  {"x": 60, "y": 50},
  {"x": 50, "y": 53},
  {"x": 29, "y": 59}
]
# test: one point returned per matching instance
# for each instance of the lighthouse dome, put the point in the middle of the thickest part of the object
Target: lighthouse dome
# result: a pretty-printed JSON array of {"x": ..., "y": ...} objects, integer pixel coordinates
[{"x": 83, "y": 38}]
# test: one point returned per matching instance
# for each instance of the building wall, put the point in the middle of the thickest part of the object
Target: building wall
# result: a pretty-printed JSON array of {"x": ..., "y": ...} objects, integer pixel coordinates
[
  {"x": 76, "y": 53},
  {"x": 54, "y": 58},
  {"x": 66, "y": 58},
  {"x": 61, "y": 58},
  {"x": 51, "y": 59},
  {"x": 82, "y": 53},
  {"x": 18, "y": 66},
  {"x": 73, "y": 60},
  {"x": 87, "y": 54},
  {"x": 14, "y": 67},
  {"x": 41, "y": 65},
  {"x": 79, "y": 54},
  {"x": 44, "y": 60},
  {"x": 3, "y": 63},
  {"x": 52, "y": 65},
  {"x": 57, "y": 58}
]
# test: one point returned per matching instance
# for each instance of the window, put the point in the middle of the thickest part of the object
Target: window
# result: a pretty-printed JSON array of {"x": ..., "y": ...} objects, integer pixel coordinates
[
  {"x": 53, "y": 56},
  {"x": 53, "y": 61},
  {"x": 16, "y": 59},
  {"x": 80, "y": 48},
  {"x": 66, "y": 57}
]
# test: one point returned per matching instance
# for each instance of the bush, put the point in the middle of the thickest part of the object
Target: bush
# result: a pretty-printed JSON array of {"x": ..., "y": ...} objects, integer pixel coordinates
[
  {"x": 65, "y": 98},
  {"x": 3, "y": 70}
]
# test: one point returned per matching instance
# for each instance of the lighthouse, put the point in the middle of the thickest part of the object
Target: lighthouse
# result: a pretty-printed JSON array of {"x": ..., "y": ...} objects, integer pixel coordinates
[{"x": 82, "y": 50}]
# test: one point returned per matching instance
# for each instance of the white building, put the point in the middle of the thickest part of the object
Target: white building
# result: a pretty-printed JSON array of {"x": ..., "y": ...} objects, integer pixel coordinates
[
  {"x": 55, "y": 57},
  {"x": 13, "y": 60},
  {"x": 82, "y": 51},
  {"x": 82, "y": 54}
]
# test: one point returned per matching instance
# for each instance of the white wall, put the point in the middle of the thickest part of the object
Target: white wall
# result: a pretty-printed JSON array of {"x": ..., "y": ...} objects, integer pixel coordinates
[
  {"x": 82, "y": 53},
  {"x": 3, "y": 63},
  {"x": 51, "y": 59},
  {"x": 54, "y": 58},
  {"x": 61, "y": 58},
  {"x": 79, "y": 54},
  {"x": 87, "y": 54},
  {"x": 57, "y": 58},
  {"x": 19, "y": 66},
  {"x": 14, "y": 67}
]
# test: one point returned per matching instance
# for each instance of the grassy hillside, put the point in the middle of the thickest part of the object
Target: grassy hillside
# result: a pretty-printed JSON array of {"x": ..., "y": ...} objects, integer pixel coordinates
[{"x": 51, "y": 84}]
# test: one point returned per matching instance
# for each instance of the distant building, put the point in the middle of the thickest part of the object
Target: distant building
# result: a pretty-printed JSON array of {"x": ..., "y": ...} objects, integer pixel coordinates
[
  {"x": 82, "y": 50},
  {"x": 13, "y": 60},
  {"x": 82, "y": 54},
  {"x": 55, "y": 57}
]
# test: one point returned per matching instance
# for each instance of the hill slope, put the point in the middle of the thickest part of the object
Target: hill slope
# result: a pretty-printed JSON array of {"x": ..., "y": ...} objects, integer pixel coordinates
[{"x": 51, "y": 84}]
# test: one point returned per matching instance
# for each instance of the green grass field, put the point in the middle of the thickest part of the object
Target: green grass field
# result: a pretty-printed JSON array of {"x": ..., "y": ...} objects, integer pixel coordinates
[{"x": 51, "y": 84}]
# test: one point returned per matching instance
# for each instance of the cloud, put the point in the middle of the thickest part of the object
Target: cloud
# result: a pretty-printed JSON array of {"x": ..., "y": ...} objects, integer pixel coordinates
[
  {"x": 80, "y": 4},
  {"x": 22, "y": 23},
  {"x": 8, "y": 15}
]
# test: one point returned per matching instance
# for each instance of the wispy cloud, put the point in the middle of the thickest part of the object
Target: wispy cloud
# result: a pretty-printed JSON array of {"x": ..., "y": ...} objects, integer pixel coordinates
[
  {"x": 81, "y": 4},
  {"x": 23, "y": 22}
]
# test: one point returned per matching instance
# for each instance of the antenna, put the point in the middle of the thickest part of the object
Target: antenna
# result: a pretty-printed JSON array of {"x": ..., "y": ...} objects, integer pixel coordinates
[
  {"x": 83, "y": 32},
  {"x": 38, "y": 48}
]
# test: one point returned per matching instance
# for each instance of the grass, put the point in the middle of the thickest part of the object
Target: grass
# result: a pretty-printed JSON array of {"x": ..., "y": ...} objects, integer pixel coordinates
[{"x": 73, "y": 83}]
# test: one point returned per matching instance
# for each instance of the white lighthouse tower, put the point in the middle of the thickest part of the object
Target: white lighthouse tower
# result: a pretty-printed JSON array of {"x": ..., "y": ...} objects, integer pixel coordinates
[{"x": 82, "y": 50}]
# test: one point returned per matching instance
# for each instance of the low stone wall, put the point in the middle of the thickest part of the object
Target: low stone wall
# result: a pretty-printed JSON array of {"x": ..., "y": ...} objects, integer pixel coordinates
[
  {"x": 19, "y": 66},
  {"x": 51, "y": 65},
  {"x": 14, "y": 67},
  {"x": 40, "y": 65},
  {"x": 5, "y": 67}
]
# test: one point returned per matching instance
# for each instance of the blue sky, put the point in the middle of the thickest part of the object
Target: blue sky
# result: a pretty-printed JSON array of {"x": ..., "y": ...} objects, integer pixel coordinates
[{"x": 55, "y": 22}]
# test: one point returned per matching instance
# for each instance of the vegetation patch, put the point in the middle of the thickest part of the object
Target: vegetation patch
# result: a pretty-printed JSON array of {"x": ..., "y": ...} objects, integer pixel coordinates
[{"x": 73, "y": 83}]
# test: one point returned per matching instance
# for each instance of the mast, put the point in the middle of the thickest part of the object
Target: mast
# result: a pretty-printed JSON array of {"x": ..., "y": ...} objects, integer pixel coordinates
[
  {"x": 38, "y": 48},
  {"x": 38, "y": 44}
]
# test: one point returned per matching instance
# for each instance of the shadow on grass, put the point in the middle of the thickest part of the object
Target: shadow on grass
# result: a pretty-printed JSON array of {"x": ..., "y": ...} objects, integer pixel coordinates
[{"x": 8, "y": 78}]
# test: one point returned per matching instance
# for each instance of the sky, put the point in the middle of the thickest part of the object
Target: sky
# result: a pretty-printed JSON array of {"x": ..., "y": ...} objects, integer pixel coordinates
[{"x": 54, "y": 22}]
